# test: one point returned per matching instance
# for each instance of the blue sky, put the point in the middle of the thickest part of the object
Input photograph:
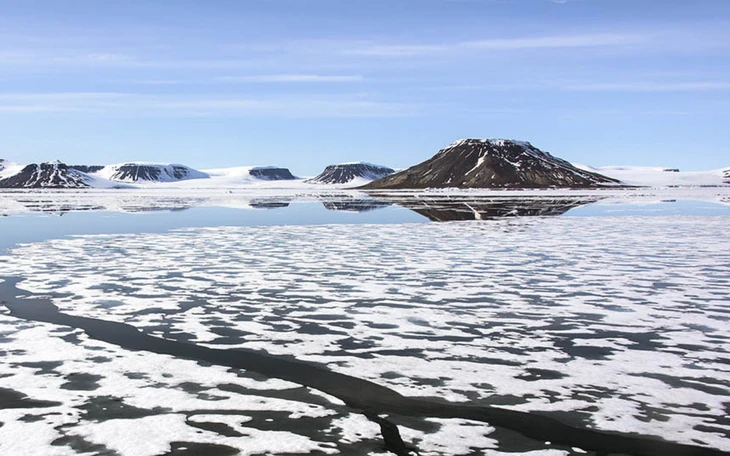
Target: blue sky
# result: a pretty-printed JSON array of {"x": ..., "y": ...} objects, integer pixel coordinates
[{"x": 305, "y": 83}]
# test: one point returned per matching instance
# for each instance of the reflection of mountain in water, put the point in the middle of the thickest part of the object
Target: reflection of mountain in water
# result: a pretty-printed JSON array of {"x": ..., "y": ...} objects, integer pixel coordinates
[
  {"x": 161, "y": 208},
  {"x": 355, "y": 205},
  {"x": 455, "y": 208},
  {"x": 269, "y": 203}
]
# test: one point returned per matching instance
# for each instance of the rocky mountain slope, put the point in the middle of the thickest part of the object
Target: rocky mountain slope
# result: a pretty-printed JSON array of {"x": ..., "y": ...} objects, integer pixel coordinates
[
  {"x": 492, "y": 163},
  {"x": 345, "y": 173},
  {"x": 149, "y": 172},
  {"x": 46, "y": 175}
]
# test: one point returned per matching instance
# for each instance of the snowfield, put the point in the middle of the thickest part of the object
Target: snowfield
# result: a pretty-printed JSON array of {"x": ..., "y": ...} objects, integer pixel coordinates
[{"x": 660, "y": 177}]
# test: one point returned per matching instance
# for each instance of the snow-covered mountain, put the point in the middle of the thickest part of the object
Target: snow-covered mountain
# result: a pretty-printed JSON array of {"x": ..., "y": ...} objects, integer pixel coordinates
[
  {"x": 351, "y": 173},
  {"x": 646, "y": 176},
  {"x": 149, "y": 172},
  {"x": 43, "y": 175},
  {"x": 493, "y": 163}
]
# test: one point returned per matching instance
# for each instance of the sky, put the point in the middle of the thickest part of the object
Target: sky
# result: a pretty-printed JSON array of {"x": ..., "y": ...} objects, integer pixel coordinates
[{"x": 306, "y": 83}]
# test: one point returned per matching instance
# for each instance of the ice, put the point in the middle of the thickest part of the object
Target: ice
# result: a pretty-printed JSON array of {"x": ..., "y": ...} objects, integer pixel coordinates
[{"x": 619, "y": 323}]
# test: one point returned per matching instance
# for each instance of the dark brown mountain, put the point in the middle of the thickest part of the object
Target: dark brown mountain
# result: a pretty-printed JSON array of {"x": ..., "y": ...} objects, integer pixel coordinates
[
  {"x": 348, "y": 172},
  {"x": 271, "y": 173},
  {"x": 46, "y": 175},
  {"x": 492, "y": 163}
]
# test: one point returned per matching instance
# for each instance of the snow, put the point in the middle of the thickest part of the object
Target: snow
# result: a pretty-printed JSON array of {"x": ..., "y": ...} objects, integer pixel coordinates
[
  {"x": 8, "y": 169},
  {"x": 657, "y": 176},
  {"x": 152, "y": 436},
  {"x": 619, "y": 322},
  {"x": 500, "y": 142},
  {"x": 627, "y": 314}
]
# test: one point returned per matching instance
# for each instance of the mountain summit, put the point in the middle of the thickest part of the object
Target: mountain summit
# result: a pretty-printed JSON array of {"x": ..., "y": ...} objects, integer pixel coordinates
[{"x": 492, "y": 163}]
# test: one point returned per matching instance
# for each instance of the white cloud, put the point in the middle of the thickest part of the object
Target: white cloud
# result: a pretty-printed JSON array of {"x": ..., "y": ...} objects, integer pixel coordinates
[
  {"x": 291, "y": 78},
  {"x": 498, "y": 44},
  {"x": 642, "y": 86}
]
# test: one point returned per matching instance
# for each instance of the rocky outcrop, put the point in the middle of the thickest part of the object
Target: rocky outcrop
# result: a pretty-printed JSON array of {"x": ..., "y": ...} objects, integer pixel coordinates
[{"x": 271, "y": 173}]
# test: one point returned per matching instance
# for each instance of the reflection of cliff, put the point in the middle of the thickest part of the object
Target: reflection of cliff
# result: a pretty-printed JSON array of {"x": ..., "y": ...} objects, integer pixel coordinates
[
  {"x": 355, "y": 205},
  {"x": 274, "y": 203},
  {"x": 455, "y": 208}
]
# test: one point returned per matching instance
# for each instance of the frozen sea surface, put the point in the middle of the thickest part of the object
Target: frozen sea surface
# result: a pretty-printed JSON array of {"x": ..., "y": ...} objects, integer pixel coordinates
[{"x": 604, "y": 322}]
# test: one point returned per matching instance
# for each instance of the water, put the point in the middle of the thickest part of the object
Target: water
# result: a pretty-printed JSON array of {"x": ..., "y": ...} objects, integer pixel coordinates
[{"x": 602, "y": 311}]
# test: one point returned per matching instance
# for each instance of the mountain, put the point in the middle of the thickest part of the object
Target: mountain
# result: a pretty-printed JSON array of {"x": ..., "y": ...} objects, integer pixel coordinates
[
  {"x": 726, "y": 176},
  {"x": 149, "y": 172},
  {"x": 271, "y": 173},
  {"x": 492, "y": 163},
  {"x": 345, "y": 173},
  {"x": 46, "y": 175},
  {"x": 87, "y": 168}
]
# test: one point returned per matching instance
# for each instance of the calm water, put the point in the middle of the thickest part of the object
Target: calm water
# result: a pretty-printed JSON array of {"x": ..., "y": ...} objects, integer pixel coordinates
[{"x": 48, "y": 216}]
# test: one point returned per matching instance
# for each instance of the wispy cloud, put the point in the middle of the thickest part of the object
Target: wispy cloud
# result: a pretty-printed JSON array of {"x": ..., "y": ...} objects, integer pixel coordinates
[
  {"x": 112, "y": 103},
  {"x": 291, "y": 78},
  {"x": 499, "y": 44},
  {"x": 642, "y": 86}
]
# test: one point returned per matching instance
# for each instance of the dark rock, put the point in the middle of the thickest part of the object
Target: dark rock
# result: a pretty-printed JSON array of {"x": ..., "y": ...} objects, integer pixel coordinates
[
  {"x": 272, "y": 173},
  {"x": 492, "y": 163},
  {"x": 134, "y": 172},
  {"x": 46, "y": 175}
]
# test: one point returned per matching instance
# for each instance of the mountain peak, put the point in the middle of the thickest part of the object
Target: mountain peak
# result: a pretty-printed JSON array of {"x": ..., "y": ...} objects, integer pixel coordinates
[
  {"x": 499, "y": 142},
  {"x": 345, "y": 173},
  {"x": 493, "y": 163}
]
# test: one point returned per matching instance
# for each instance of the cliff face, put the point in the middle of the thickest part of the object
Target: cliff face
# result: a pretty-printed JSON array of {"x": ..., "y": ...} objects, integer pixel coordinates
[
  {"x": 271, "y": 173},
  {"x": 492, "y": 163}
]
